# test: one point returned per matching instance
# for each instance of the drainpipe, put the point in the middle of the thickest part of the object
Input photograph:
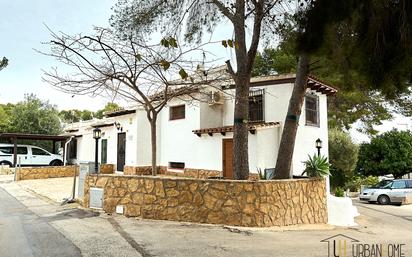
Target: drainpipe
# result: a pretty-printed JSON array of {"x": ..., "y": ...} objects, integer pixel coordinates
[{"x": 72, "y": 199}]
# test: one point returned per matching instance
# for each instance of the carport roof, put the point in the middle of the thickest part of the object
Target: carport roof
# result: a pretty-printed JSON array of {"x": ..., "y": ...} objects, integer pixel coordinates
[{"x": 34, "y": 136}]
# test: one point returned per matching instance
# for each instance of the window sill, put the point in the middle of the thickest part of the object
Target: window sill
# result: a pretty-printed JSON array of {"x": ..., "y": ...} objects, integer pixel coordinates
[
  {"x": 312, "y": 125},
  {"x": 175, "y": 170}
]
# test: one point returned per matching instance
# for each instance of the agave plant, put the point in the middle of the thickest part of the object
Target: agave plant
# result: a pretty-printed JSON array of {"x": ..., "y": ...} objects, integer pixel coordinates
[{"x": 317, "y": 166}]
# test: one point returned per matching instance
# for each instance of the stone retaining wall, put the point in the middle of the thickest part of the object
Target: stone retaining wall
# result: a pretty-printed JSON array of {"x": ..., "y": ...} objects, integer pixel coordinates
[
  {"x": 187, "y": 172},
  {"x": 45, "y": 172},
  {"x": 106, "y": 168},
  {"x": 195, "y": 173},
  {"x": 137, "y": 170},
  {"x": 26, "y": 173},
  {"x": 238, "y": 203}
]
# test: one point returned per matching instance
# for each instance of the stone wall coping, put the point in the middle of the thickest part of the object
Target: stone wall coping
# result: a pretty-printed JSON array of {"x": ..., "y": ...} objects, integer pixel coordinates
[
  {"x": 206, "y": 180},
  {"x": 46, "y": 167},
  {"x": 45, "y": 172}
]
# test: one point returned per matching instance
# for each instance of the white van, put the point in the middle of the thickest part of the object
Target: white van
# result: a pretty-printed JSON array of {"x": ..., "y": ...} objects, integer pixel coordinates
[{"x": 29, "y": 155}]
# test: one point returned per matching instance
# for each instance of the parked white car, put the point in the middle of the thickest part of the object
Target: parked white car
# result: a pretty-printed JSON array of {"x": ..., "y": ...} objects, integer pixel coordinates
[
  {"x": 29, "y": 156},
  {"x": 387, "y": 191}
]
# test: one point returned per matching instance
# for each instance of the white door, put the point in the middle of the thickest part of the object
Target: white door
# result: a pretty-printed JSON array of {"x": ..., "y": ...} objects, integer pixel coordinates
[{"x": 40, "y": 157}]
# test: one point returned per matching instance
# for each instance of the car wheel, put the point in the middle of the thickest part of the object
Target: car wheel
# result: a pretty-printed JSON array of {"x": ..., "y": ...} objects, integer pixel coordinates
[
  {"x": 56, "y": 163},
  {"x": 384, "y": 199},
  {"x": 6, "y": 163}
]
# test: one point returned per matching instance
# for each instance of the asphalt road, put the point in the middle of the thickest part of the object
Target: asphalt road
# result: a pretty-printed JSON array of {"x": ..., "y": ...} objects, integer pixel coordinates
[
  {"x": 35, "y": 226},
  {"x": 23, "y": 233}
]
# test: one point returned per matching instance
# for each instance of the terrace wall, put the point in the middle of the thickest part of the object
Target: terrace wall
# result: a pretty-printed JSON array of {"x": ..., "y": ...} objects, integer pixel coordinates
[
  {"x": 228, "y": 202},
  {"x": 26, "y": 173}
]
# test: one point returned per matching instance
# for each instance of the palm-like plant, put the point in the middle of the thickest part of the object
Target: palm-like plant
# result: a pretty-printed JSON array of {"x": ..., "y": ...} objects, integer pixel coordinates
[{"x": 317, "y": 166}]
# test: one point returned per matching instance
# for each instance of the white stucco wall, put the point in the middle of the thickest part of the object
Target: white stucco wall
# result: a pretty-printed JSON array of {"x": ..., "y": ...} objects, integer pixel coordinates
[
  {"x": 180, "y": 144},
  {"x": 85, "y": 147},
  {"x": 143, "y": 139},
  {"x": 210, "y": 116},
  {"x": 86, "y": 143},
  {"x": 177, "y": 142},
  {"x": 307, "y": 135},
  {"x": 129, "y": 126}
]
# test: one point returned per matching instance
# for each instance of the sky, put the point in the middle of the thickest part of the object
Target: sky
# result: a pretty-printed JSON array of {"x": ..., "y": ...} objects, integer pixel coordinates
[{"x": 22, "y": 29}]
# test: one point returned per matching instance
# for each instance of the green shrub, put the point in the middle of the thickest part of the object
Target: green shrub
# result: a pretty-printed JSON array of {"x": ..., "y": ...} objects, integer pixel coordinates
[
  {"x": 343, "y": 156},
  {"x": 339, "y": 192},
  {"x": 317, "y": 166},
  {"x": 370, "y": 181},
  {"x": 356, "y": 182},
  {"x": 388, "y": 153}
]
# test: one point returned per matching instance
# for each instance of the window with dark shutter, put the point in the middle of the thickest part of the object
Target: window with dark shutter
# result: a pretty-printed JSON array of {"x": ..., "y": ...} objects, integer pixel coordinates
[
  {"x": 177, "y": 165},
  {"x": 177, "y": 112},
  {"x": 104, "y": 151},
  {"x": 312, "y": 110}
]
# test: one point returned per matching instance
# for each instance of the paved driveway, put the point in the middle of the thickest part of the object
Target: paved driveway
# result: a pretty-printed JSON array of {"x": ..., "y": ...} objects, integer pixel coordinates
[
  {"x": 23, "y": 233},
  {"x": 388, "y": 220}
]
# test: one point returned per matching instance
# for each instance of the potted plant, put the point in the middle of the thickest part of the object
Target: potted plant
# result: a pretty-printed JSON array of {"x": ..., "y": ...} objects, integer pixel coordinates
[{"x": 316, "y": 166}]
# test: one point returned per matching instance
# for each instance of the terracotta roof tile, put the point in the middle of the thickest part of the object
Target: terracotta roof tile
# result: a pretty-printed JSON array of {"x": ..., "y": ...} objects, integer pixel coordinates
[{"x": 252, "y": 128}]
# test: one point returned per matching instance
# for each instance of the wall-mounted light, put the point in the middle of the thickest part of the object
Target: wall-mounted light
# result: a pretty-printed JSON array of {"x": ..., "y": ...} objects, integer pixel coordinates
[
  {"x": 97, "y": 133},
  {"x": 118, "y": 126},
  {"x": 318, "y": 145}
]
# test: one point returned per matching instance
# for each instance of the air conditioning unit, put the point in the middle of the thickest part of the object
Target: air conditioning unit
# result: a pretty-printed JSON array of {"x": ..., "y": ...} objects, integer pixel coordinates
[{"x": 215, "y": 98}]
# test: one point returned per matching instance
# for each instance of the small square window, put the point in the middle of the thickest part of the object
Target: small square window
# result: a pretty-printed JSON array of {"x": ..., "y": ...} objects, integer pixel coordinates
[
  {"x": 312, "y": 110},
  {"x": 177, "y": 165},
  {"x": 177, "y": 112}
]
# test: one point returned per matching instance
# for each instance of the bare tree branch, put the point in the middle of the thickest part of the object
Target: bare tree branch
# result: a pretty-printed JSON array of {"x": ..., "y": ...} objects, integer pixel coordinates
[{"x": 105, "y": 65}]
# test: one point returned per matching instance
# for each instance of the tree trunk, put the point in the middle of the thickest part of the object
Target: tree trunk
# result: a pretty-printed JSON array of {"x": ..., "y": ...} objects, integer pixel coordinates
[
  {"x": 153, "y": 135},
  {"x": 242, "y": 81},
  {"x": 240, "y": 135},
  {"x": 287, "y": 143}
]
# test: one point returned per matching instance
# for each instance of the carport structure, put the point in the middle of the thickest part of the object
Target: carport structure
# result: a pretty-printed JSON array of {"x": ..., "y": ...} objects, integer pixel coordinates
[{"x": 13, "y": 138}]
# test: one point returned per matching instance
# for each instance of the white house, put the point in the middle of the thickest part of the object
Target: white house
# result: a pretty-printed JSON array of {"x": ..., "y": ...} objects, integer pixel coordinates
[{"x": 197, "y": 135}]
